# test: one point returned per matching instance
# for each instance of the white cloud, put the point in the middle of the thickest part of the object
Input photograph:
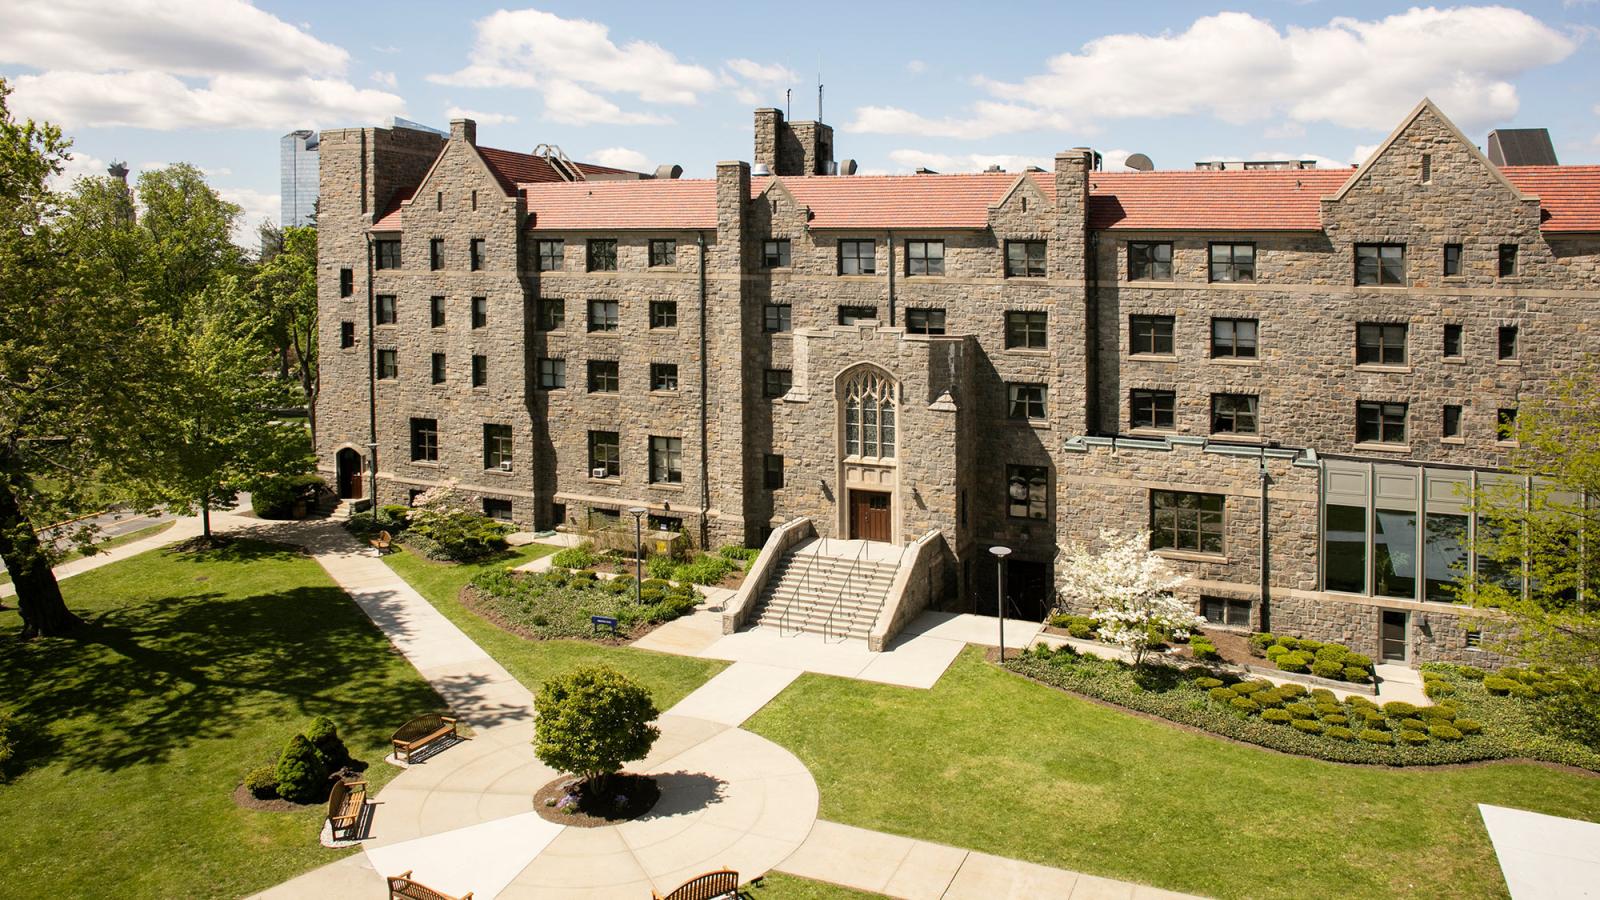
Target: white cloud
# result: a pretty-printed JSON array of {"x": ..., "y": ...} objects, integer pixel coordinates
[
  {"x": 987, "y": 119},
  {"x": 753, "y": 82},
  {"x": 621, "y": 158},
  {"x": 77, "y": 165},
  {"x": 1284, "y": 130},
  {"x": 161, "y": 101},
  {"x": 1362, "y": 152},
  {"x": 909, "y": 160},
  {"x": 567, "y": 102},
  {"x": 257, "y": 206},
  {"x": 482, "y": 118},
  {"x": 916, "y": 67},
  {"x": 387, "y": 79}
]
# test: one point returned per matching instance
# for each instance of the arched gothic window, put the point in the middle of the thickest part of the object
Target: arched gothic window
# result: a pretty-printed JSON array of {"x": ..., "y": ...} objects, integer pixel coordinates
[{"x": 869, "y": 416}]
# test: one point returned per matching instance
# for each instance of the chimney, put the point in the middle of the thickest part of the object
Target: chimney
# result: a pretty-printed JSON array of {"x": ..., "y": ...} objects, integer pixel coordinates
[
  {"x": 769, "y": 122},
  {"x": 464, "y": 130}
]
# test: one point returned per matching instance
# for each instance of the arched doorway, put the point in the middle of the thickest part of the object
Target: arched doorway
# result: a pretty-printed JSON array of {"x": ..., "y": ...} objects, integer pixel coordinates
[
  {"x": 868, "y": 437},
  {"x": 347, "y": 465}
]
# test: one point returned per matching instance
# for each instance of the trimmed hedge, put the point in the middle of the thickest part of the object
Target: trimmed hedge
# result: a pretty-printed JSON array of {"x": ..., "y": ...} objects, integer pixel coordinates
[
  {"x": 1306, "y": 656},
  {"x": 558, "y": 603}
]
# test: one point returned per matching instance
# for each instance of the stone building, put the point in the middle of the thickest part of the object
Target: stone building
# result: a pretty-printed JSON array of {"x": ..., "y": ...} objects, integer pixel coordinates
[{"x": 1019, "y": 359}]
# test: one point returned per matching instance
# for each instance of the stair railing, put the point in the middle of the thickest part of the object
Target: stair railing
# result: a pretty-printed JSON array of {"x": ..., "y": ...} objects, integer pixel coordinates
[
  {"x": 804, "y": 586},
  {"x": 898, "y": 561},
  {"x": 849, "y": 578}
]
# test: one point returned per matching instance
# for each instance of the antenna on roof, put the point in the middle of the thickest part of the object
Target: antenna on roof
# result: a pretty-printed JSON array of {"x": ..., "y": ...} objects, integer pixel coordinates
[
  {"x": 788, "y": 96},
  {"x": 819, "y": 96}
]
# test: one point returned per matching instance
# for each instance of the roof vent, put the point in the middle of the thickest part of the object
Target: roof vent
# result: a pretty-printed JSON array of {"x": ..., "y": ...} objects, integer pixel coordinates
[
  {"x": 1139, "y": 162},
  {"x": 846, "y": 166},
  {"x": 1521, "y": 147},
  {"x": 1033, "y": 169},
  {"x": 994, "y": 169},
  {"x": 924, "y": 170},
  {"x": 669, "y": 171},
  {"x": 761, "y": 170}
]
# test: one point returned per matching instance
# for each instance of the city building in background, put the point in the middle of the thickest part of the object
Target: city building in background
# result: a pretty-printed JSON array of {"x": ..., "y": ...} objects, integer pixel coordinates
[{"x": 297, "y": 169}]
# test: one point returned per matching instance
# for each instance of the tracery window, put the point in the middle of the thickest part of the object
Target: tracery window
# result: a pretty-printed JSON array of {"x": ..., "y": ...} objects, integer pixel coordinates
[{"x": 869, "y": 420}]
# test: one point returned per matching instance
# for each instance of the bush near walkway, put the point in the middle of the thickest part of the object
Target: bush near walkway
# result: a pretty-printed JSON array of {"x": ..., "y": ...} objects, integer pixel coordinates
[{"x": 558, "y": 604}]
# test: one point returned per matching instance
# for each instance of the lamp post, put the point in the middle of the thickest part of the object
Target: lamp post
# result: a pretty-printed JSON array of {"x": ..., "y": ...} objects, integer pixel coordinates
[
  {"x": 1000, "y": 554},
  {"x": 638, "y": 549}
]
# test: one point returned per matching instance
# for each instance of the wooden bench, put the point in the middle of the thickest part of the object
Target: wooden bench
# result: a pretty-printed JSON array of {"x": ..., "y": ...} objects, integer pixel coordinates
[
  {"x": 401, "y": 887},
  {"x": 345, "y": 803},
  {"x": 420, "y": 732},
  {"x": 382, "y": 542},
  {"x": 721, "y": 883}
]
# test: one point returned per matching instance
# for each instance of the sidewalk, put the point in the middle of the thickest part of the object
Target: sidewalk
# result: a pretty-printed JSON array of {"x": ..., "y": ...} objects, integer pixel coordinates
[{"x": 182, "y": 529}]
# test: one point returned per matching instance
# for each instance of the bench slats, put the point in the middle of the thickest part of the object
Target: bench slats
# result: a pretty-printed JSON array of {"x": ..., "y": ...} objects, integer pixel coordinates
[
  {"x": 401, "y": 887},
  {"x": 721, "y": 883}
]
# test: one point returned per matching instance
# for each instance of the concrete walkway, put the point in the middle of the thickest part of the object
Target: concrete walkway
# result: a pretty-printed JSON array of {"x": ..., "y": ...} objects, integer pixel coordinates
[{"x": 1544, "y": 857}]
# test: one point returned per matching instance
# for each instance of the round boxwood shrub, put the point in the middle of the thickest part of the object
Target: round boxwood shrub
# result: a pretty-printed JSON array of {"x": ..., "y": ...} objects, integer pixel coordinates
[
  {"x": 1301, "y": 711},
  {"x": 1357, "y": 676},
  {"x": 1276, "y": 716},
  {"x": 1323, "y": 695},
  {"x": 1374, "y": 736},
  {"x": 1414, "y": 738},
  {"x": 1268, "y": 699},
  {"x": 1358, "y": 700},
  {"x": 1222, "y": 694},
  {"x": 1307, "y": 726},
  {"x": 1292, "y": 690},
  {"x": 1297, "y": 661},
  {"x": 1445, "y": 732},
  {"x": 1399, "y": 709},
  {"x": 1244, "y": 704},
  {"x": 1275, "y": 651},
  {"x": 1413, "y": 725},
  {"x": 1335, "y": 652},
  {"x": 1469, "y": 726},
  {"x": 1438, "y": 688},
  {"x": 1207, "y": 683},
  {"x": 1246, "y": 688},
  {"x": 1328, "y": 709},
  {"x": 1358, "y": 661},
  {"x": 1260, "y": 641},
  {"x": 302, "y": 776},
  {"x": 1310, "y": 646},
  {"x": 579, "y": 557},
  {"x": 1374, "y": 719},
  {"x": 1323, "y": 668},
  {"x": 1335, "y": 719},
  {"x": 262, "y": 782},
  {"x": 1522, "y": 691},
  {"x": 1288, "y": 643},
  {"x": 1340, "y": 733}
]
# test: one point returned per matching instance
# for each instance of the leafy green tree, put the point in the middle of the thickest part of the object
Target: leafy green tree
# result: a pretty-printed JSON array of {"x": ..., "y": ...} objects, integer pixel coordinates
[
  {"x": 591, "y": 721},
  {"x": 190, "y": 235},
  {"x": 286, "y": 285}
]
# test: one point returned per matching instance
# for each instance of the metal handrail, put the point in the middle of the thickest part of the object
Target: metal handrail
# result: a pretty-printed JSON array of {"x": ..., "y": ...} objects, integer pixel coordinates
[
  {"x": 805, "y": 583},
  {"x": 849, "y": 577},
  {"x": 899, "y": 561}
]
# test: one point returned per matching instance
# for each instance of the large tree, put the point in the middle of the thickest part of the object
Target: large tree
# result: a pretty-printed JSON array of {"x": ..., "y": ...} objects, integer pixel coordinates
[
  {"x": 286, "y": 288},
  {"x": 1129, "y": 588}
]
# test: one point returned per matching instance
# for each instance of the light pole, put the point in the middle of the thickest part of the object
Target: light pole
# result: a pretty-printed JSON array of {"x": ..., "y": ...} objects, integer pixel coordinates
[
  {"x": 1000, "y": 554},
  {"x": 638, "y": 549}
]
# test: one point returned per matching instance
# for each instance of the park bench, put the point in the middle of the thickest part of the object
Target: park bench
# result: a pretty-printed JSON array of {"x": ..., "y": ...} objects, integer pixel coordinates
[
  {"x": 597, "y": 623},
  {"x": 721, "y": 883},
  {"x": 382, "y": 542},
  {"x": 420, "y": 732},
  {"x": 401, "y": 887},
  {"x": 345, "y": 802}
]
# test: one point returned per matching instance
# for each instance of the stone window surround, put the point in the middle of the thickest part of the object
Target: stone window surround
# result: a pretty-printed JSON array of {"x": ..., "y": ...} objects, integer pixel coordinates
[
  {"x": 658, "y": 369},
  {"x": 928, "y": 260},
  {"x": 1402, "y": 446},
  {"x": 1211, "y": 338},
  {"x": 1201, "y": 529},
  {"x": 1153, "y": 320},
  {"x": 1151, "y": 261}
]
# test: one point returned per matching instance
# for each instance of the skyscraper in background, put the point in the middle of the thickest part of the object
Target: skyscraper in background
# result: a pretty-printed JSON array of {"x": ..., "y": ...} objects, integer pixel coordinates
[{"x": 297, "y": 153}]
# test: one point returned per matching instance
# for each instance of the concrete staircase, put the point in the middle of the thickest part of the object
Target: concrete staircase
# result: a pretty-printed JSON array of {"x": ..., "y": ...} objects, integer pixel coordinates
[{"x": 828, "y": 587}]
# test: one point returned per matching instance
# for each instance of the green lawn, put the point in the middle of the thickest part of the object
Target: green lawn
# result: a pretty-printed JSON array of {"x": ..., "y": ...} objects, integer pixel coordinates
[
  {"x": 118, "y": 541},
  {"x": 669, "y": 678},
  {"x": 778, "y": 886},
  {"x": 993, "y": 762},
  {"x": 195, "y": 668}
]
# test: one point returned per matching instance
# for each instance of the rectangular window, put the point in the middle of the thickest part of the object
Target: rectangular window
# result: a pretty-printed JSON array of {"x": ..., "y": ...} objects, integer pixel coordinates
[
  {"x": 666, "y": 460},
  {"x": 436, "y": 254},
  {"x": 480, "y": 312},
  {"x": 386, "y": 309},
  {"x": 436, "y": 312},
  {"x": 552, "y": 373},
  {"x": 1150, "y": 334},
  {"x": 1472, "y": 638},
  {"x": 924, "y": 321},
  {"x": 1452, "y": 259},
  {"x": 1379, "y": 344},
  {"x": 663, "y": 314},
  {"x": 850, "y": 315},
  {"x": 1344, "y": 549},
  {"x": 663, "y": 253},
  {"x": 1026, "y": 330},
  {"x": 551, "y": 314},
  {"x": 858, "y": 257},
  {"x": 603, "y": 377},
  {"x": 1444, "y": 554},
  {"x": 347, "y": 282},
  {"x": 1025, "y": 259},
  {"x": 1452, "y": 342},
  {"x": 772, "y": 472},
  {"x": 1234, "y": 414},
  {"x": 424, "y": 440},
  {"x": 480, "y": 370},
  {"x": 1180, "y": 520},
  {"x": 776, "y": 382},
  {"x": 775, "y": 254},
  {"x": 602, "y": 254},
  {"x": 1394, "y": 554},
  {"x": 604, "y": 315},
  {"x": 476, "y": 254},
  {"x": 1380, "y": 423},
  {"x": 1452, "y": 421},
  {"x": 1026, "y": 401},
  {"x": 1508, "y": 260},
  {"x": 663, "y": 376},
  {"x": 550, "y": 255},
  {"x": 1381, "y": 264},
  {"x": 1149, "y": 261},
  {"x": 497, "y": 447},
  {"x": 497, "y": 509},
  {"x": 1027, "y": 492},
  {"x": 438, "y": 201},
  {"x": 438, "y": 368},
  {"x": 474, "y": 201},
  {"x": 388, "y": 365},
  {"x": 1507, "y": 345},
  {"x": 1224, "y": 611},
  {"x": 388, "y": 253},
  {"x": 924, "y": 257},
  {"x": 1152, "y": 409},
  {"x": 1233, "y": 338},
  {"x": 1427, "y": 168},
  {"x": 1505, "y": 429},
  {"x": 777, "y": 317},
  {"x": 347, "y": 335},
  {"x": 1233, "y": 262},
  {"x": 605, "y": 454}
]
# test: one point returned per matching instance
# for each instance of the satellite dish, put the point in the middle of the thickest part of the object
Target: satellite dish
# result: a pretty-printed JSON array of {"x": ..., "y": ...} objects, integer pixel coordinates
[{"x": 1139, "y": 161}]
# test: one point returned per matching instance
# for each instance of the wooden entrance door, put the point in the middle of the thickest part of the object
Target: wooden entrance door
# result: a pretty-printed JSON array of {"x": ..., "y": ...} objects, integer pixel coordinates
[
  {"x": 1394, "y": 636},
  {"x": 869, "y": 516},
  {"x": 348, "y": 463}
]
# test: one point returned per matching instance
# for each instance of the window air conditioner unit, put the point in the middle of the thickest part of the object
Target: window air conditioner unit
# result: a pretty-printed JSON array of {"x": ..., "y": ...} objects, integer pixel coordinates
[
  {"x": 599, "y": 472},
  {"x": 505, "y": 465}
]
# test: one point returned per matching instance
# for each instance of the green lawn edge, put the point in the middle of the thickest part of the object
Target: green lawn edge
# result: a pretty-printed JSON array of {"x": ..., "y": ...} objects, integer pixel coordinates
[{"x": 114, "y": 543}]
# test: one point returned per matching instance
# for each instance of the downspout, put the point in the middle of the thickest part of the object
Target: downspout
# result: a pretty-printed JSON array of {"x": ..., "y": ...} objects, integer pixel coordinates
[
  {"x": 1266, "y": 559},
  {"x": 889, "y": 237},
  {"x": 372, "y": 379},
  {"x": 705, "y": 455},
  {"x": 1091, "y": 313}
]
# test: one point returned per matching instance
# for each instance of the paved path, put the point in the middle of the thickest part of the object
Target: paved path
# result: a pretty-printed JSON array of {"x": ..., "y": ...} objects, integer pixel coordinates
[
  {"x": 182, "y": 529},
  {"x": 1544, "y": 857}
]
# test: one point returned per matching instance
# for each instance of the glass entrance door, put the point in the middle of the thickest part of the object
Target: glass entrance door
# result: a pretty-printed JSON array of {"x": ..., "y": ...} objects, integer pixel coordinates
[{"x": 1393, "y": 638}]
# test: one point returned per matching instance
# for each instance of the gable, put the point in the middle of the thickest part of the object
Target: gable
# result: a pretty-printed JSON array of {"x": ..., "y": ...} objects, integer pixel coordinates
[{"x": 1024, "y": 209}]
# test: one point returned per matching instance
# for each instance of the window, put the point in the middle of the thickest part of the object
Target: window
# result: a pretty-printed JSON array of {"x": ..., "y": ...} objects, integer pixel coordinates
[
  {"x": 1150, "y": 334},
  {"x": 438, "y": 368},
  {"x": 347, "y": 335},
  {"x": 605, "y": 452},
  {"x": 480, "y": 370},
  {"x": 1452, "y": 421},
  {"x": 388, "y": 366},
  {"x": 869, "y": 426},
  {"x": 424, "y": 440},
  {"x": 499, "y": 510},
  {"x": 1152, "y": 409},
  {"x": 1508, "y": 260},
  {"x": 924, "y": 257},
  {"x": 1226, "y": 612},
  {"x": 777, "y": 317},
  {"x": 1233, "y": 338},
  {"x": 1452, "y": 342},
  {"x": 386, "y": 309},
  {"x": 603, "y": 315},
  {"x": 663, "y": 376},
  {"x": 1025, "y": 259},
  {"x": 551, "y": 314},
  {"x": 1452, "y": 259},
  {"x": 924, "y": 321},
  {"x": 1507, "y": 345},
  {"x": 1149, "y": 261},
  {"x": 1026, "y": 401},
  {"x": 602, "y": 255},
  {"x": 497, "y": 447},
  {"x": 858, "y": 257},
  {"x": 1025, "y": 330},
  {"x": 474, "y": 201},
  {"x": 603, "y": 378},
  {"x": 436, "y": 312},
  {"x": 1380, "y": 423},
  {"x": 772, "y": 472},
  {"x": 552, "y": 373},
  {"x": 663, "y": 314},
  {"x": 1233, "y": 262},
  {"x": 1380, "y": 344},
  {"x": 1180, "y": 520},
  {"x": 1427, "y": 168},
  {"x": 1234, "y": 414},
  {"x": 438, "y": 201},
  {"x": 1472, "y": 638},
  {"x": 663, "y": 523},
  {"x": 1381, "y": 264},
  {"x": 347, "y": 282},
  {"x": 1027, "y": 492},
  {"x": 666, "y": 460},
  {"x": 436, "y": 254},
  {"x": 388, "y": 253},
  {"x": 663, "y": 253},
  {"x": 475, "y": 254},
  {"x": 480, "y": 312},
  {"x": 776, "y": 382},
  {"x": 850, "y": 315},
  {"x": 1344, "y": 548},
  {"x": 775, "y": 254},
  {"x": 550, "y": 254},
  {"x": 1505, "y": 429}
]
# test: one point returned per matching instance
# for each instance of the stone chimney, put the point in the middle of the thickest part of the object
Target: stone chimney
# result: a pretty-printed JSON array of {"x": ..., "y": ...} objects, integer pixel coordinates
[
  {"x": 464, "y": 130},
  {"x": 792, "y": 148}
]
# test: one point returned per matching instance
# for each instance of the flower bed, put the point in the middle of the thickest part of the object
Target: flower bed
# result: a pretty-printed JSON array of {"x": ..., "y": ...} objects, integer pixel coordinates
[
  {"x": 558, "y": 603},
  {"x": 725, "y": 569}
]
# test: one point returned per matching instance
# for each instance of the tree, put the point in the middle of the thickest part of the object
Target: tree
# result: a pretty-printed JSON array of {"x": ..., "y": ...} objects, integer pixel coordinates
[
  {"x": 1130, "y": 590},
  {"x": 190, "y": 235},
  {"x": 591, "y": 721},
  {"x": 286, "y": 285}
]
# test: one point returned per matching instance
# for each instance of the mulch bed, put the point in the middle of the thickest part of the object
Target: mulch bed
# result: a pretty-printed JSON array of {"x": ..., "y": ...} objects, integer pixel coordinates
[
  {"x": 597, "y": 809},
  {"x": 469, "y": 599},
  {"x": 246, "y": 800}
]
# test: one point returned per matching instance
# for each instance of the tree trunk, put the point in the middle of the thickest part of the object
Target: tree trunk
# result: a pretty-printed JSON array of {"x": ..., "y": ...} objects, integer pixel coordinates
[
  {"x": 44, "y": 612},
  {"x": 205, "y": 517}
]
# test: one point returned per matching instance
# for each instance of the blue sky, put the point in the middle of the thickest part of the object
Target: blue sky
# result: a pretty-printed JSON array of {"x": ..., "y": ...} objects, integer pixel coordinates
[{"x": 215, "y": 82}]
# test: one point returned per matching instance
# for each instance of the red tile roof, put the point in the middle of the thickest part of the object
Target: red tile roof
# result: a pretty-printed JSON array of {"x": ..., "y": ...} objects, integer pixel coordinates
[
  {"x": 904, "y": 201},
  {"x": 1239, "y": 200},
  {"x": 1569, "y": 196},
  {"x": 513, "y": 169},
  {"x": 666, "y": 205}
]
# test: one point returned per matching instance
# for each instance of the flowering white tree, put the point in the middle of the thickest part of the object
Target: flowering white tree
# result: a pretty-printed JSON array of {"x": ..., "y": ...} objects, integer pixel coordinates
[{"x": 1129, "y": 588}]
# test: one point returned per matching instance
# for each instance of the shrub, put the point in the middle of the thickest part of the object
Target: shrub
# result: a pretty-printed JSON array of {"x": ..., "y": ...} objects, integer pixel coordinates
[
  {"x": 1445, "y": 732},
  {"x": 1438, "y": 688},
  {"x": 324, "y": 736},
  {"x": 1522, "y": 691},
  {"x": 703, "y": 570},
  {"x": 262, "y": 782},
  {"x": 1310, "y": 646},
  {"x": 1374, "y": 736},
  {"x": 1296, "y": 661},
  {"x": 1292, "y": 690},
  {"x": 1246, "y": 688},
  {"x": 1399, "y": 709},
  {"x": 301, "y": 775},
  {"x": 5, "y": 742},
  {"x": 1328, "y": 709},
  {"x": 1268, "y": 699},
  {"x": 1081, "y": 631},
  {"x": 1323, "y": 695},
  {"x": 1468, "y": 726},
  {"x": 1207, "y": 683},
  {"x": 1357, "y": 676},
  {"x": 579, "y": 557},
  {"x": 1374, "y": 719},
  {"x": 274, "y": 497},
  {"x": 1259, "y": 643},
  {"x": 1498, "y": 685},
  {"x": 1413, "y": 725},
  {"x": 1222, "y": 694},
  {"x": 456, "y": 535},
  {"x": 592, "y": 720},
  {"x": 1340, "y": 733},
  {"x": 1307, "y": 726},
  {"x": 1333, "y": 652},
  {"x": 1276, "y": 652},
  {"x": 1203, "y": 648},
  {"x": 1276, "y": 716},
  {"x": 1300, "y": 711},
  {"x": 1324, "y": 668},
  {"x": 1358, "y": 661},
  {"x": 659, "y": 567},
  {"x": 1288, "y": 643},
  {"x": 736, "y": 552},
  {"x": 1335, "y": 719},
  {"x": 1244, "y": 704},
  {"x": 1414, "y": 738}
]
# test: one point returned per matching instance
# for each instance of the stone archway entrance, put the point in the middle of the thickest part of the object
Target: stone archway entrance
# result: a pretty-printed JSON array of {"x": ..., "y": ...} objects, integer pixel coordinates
[
  {"x": 869, "y": 516},
  {"x": 868, "y": 470},
  {"x": 347, "y": 465}
]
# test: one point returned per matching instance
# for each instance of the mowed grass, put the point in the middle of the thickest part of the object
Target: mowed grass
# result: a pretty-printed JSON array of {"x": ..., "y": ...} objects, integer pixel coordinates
[
  {"x": 669, "y": 678},
  {"x": 993, "y": 762},
  {"x": 132, "y": 736},
  {"x": 118, "y": 541},
  {"x": 778, "y": 886}
]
